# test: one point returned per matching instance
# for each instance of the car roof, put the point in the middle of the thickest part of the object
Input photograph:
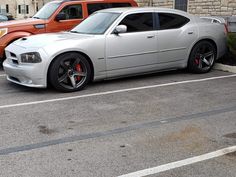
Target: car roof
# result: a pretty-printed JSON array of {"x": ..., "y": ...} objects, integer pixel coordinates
[
  {"x": 140, "y": 9},
  {"x": 64, "y": 1}
]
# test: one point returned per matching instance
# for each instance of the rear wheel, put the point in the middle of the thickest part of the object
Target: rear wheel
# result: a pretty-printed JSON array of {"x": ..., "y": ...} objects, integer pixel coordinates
[
  {"x": 202, "y": 57},
  {"x": 69, "y": 72}
]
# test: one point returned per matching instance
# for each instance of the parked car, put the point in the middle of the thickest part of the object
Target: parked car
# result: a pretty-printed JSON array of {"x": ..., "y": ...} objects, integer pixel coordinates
[
  {"x": 54, "y": 17},
  {"x": 3, "y": 18},
  {"x": 114, "y": 43}
]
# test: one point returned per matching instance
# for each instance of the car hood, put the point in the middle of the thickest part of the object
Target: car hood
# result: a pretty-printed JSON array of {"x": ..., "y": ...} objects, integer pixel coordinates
[
  {"x": 15, "y": 23},
  {"x": 42, "y": 40}
]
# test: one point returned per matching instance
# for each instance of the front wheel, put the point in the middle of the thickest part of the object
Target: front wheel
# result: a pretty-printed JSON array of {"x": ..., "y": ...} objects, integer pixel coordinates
[
  {"x": 69, "y": 72},
  {"x": 202, "y": 57}
]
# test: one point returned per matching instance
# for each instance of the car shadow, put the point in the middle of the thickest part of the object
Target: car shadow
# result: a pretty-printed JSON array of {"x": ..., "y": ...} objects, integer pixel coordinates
[
  {"x": 129, "y": 80},
  {"x": 141, "y": 77}
]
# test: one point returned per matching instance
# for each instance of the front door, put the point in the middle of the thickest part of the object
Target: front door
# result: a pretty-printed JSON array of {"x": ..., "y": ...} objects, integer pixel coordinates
[
  {"x": 74, "y": 16},
  {"x": 134, "y": 51}
]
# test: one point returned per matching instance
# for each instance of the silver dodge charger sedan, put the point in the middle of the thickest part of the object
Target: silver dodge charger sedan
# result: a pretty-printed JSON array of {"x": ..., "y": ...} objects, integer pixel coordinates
[{"x": 115, "y": 43}]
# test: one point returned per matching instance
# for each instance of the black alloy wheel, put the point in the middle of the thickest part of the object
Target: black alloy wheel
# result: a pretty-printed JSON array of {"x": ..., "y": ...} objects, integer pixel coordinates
[
  {"x": 70, "y": 72},
  {"x": 202, "y": 57}
]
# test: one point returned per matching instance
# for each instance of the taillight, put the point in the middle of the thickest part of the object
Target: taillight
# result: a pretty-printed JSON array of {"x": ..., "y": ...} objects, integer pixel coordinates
[{"x": 226, "y": 29}]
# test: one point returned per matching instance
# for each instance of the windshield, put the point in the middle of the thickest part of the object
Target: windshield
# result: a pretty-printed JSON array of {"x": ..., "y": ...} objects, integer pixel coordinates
[
  {"x": 3, "y": 18},
  {"x": 96, "y": 24},
  {"x": 46, "y": 11}
]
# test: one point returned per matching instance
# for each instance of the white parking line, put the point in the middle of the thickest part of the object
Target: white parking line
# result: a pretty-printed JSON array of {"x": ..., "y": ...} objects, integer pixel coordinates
[
  {"x": 2, "y": 75},
  {"x": 181, "y": 163},
  {"x": 115, "y": 91}
]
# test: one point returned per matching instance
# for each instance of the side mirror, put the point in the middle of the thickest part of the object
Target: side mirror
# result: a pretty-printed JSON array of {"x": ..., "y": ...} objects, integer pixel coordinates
[
  {"x": 120, "y": 29},
  {"x": 60, "y": 16}
]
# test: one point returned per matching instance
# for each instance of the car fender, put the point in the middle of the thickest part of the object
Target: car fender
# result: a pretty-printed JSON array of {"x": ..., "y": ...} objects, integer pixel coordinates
[
  {"x": 10, "y": 37},
  {"x": 53, "y": 57}
]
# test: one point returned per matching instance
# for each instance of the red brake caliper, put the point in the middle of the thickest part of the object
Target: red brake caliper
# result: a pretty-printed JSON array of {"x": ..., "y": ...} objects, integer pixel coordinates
[
  {"x": 79, "y": 69},
  {"x": 197, "y": 60}
]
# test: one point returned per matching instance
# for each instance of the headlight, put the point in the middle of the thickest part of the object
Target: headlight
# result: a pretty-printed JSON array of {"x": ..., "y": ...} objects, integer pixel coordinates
[
  {"x": 3, "y": 32},
  {"x": 32, "y": 57}
]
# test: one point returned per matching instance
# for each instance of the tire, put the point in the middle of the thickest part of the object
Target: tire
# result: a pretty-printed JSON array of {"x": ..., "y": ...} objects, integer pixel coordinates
[
  {"x": 69, "y": 72},
  {"x": 202, "y": 57}
]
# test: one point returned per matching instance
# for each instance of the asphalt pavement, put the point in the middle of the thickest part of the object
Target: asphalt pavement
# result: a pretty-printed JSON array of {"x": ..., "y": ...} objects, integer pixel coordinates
[{"x": 117, "y": 127}]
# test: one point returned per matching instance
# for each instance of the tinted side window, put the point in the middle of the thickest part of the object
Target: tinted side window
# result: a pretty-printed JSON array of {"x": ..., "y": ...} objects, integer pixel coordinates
[
  {"x": 113, "y": 5},
  {"x": 138, "y": 22},
  {"x": 73, "y": 12},
  {"x": 96, "y": 6},
  {"x": 171, "y": 21},
  {"x": 99, "y": 6}
]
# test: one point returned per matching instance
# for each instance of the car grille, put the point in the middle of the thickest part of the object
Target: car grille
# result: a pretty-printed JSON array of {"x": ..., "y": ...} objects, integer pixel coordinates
[
  {"x": 13, "y": 55},
  {"x": 15, "y": 61},
  {"x": 13, "y": 58},
  {"x": 14, "y": 79}
]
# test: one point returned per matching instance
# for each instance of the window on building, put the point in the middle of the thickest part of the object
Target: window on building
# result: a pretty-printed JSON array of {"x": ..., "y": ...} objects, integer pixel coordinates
[
  {"x": 181, "y": 5},
  {"x": 3, "y": 9},
  {"x": 138, "y": 22},
  {"x": 171, "y": 21},
  {"x": 73, "y": 12},
  {"x": 7, "y": 8},
  {"x": 37, "y": 7},
  {"x": 19, "y": 9},
  {"x": 27, "y": 9},
  {"x": 23, "y": 9}
]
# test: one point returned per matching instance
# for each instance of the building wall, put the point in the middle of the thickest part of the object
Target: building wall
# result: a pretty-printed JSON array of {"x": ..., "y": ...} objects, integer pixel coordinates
[
  {"x": 198, "y": 7},
  {"x": 156, "y": 3},
  {"x": 212, "y": 7},
  {"x": 13, "y": 5}
]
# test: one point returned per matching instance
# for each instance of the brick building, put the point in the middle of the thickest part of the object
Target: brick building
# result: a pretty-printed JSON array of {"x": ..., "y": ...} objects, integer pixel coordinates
[
  {"x": 27, "y": 8},
  {"x": 21, "y": 8},
  {"x": 198, "y": 7}
]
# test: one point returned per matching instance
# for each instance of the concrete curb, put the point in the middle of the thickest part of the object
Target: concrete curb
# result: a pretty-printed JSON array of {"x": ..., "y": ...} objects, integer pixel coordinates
[{"x": 222, "y": 67}]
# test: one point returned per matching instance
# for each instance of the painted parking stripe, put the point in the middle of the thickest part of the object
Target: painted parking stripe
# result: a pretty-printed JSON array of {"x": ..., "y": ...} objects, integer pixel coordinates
[
  {"x": 181, "y": 163},
  {"x": 2, "y": 75},
  {"x": 115, "y": 91}
]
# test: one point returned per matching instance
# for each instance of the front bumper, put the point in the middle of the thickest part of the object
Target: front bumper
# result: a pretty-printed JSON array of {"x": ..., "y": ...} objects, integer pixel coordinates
[{"x": 26, "y": 75}]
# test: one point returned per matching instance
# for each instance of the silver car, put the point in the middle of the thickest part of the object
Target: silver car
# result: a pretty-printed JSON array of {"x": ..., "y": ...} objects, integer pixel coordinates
[{"x": 115, "y": 43}]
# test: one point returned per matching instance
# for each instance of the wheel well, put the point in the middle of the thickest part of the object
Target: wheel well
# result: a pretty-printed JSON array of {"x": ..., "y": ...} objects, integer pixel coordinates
[
  {"x": 211, "y": 41},
  {"x": 12, "y": 41},
  {"x": 81, "y": 53}
]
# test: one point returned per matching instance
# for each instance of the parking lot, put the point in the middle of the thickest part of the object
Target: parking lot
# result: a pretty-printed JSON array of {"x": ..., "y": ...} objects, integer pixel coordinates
[{"x": 122, "y": 126}]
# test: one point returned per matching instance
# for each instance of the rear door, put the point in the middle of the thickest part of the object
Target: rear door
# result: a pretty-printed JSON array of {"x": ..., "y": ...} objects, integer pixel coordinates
[
  {"x": 134, "y": 51},
  {"x": 176, "y": 33}
]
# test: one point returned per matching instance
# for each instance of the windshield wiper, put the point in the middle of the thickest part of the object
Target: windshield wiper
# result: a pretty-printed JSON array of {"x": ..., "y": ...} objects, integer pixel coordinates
[
  {"x": 74, "y": 31},
  {"x": 36, "y": 17}
]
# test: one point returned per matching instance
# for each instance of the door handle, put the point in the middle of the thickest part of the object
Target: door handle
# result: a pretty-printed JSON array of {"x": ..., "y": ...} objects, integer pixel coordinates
[
  {"x": 190, "y": 32},
  {"x": 151, "y": 36}
]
